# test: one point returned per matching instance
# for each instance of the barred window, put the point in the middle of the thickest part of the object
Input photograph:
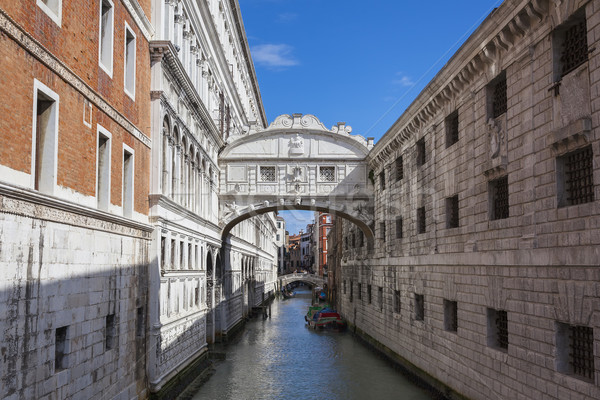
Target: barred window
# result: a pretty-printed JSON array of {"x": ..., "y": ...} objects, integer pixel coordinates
[
  {"x": 421, "y": 222},
  {"x": 499, "y": 198},
  {"x": 497, "y": 328},
  {"x": 267, "y": 174},
  {"x": 399, "y": 223},
  {"x": 421, "y": 154},
  {"x": 452, "y": 129},
  {"x": 575, "y": 351},
  {"x": 419, "y": 307},
  {"x": 576, "y": 177},
  {"x": 450, "y": 315},
  {"x": 382, "y": 230},
  {"x": 571, "y": 41},
  {"x": 327, "y": 174},
  {"x": 497, "y": 95},
  {"x": 399, "y": 169},
  {"x": 452, "y": 212}
]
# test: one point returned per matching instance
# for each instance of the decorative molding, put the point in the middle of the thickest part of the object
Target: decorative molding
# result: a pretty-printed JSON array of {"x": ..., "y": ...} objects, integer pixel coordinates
[
  {"x": 572, "y": 136},
  {"x": 38, "y": 51},
  {"x": 140, "y": 18}
]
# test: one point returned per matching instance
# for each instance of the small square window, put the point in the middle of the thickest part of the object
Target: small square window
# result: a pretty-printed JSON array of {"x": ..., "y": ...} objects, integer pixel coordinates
[
  {"x": 498, "y": 193},
  {"x": 267, "y": 174},
  {"x": 575, "y": 178},
  {"x": 419, "y": 307},
  {"x": 327, "y": 174},
  {"x": 399, "y": 223},
  {"x": 399, "y": 168},
  {"x": 421, "y": 154},
  {"x": 497, "y": 323},
  {"x": 452, "y": 129},
  {"x": 452, "y": 212},
  {"x": 575, "y": 351},
  {"x": 450, "y": 315},
  {"x": 421, "y": 222},
  {"x": 396, "y": 301}
]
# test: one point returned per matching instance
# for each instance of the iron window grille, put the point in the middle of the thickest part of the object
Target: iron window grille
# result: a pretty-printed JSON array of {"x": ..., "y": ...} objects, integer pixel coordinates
[
  {"x": 421, "y": 222},
  {"x": 581, "y": 351},
  {"x": 327, "y": 174},
  {"x": 419, "y": 307},
  {"x": 499, "y": 98},
  {"x": 501, "y": 321},
  {"x": 579, "y": 176},
  {"x": 500, "y": 206},
  {"x": 452, "y": 129},
  {"x": 399, "y": 223},
  {"x": 267, "y": 174},
  {"x": 575, "y": 47},
  {"x": 399, "y": 169},
  {"x": 421, "y": 155},
  {"x": 452, "y": 212}
]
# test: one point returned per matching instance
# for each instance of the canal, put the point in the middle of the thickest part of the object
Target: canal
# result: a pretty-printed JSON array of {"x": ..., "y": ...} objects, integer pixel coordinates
[{"x": 280, "y": 358}]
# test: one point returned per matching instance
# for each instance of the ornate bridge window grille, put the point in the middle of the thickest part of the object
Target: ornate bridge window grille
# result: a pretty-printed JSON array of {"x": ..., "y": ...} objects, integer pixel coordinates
[
  {"x": 452, "y": 129},
  {"x": 499, "y": 99},
  {"x": 267, "y": 174},
  {"x": 499, "y": 197},
  {"x": 581, "y": 351},
  {"x": 579, "y": 176},
  {"x": 575, "y": 47},
  {"x": 327, "y": 174}
]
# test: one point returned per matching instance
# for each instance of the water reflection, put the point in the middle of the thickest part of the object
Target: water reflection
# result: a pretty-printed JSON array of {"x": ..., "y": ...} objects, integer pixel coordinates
[{"x": 280, "y": 358}]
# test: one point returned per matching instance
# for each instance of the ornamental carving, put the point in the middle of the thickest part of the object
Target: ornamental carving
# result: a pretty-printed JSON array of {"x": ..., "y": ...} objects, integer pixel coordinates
[{"x": 296, "y": 145}]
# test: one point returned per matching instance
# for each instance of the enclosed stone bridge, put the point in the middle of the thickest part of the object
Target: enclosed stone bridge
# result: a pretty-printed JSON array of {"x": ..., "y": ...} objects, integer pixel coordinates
[
  {"x": 299, "y": 277},
  {"x": 296, "y": 164}
]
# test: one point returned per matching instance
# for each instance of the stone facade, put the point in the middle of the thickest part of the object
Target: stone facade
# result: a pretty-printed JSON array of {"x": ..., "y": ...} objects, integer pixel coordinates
[{"x": 484, "y": 274}]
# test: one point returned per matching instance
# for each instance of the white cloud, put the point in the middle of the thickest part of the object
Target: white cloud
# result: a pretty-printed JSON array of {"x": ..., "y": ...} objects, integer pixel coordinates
[
  {"x": 273, "y": 55},
  {"x": 403, "y": 80}
]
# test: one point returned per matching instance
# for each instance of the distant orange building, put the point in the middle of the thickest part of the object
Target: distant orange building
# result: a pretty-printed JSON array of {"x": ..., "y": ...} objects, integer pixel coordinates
[{"x": 324, "y": 222}]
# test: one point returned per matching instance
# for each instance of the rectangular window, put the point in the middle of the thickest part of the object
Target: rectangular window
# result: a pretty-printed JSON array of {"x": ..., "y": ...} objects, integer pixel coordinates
[
  {"x": 396, "y": 301},
  {"x": 53, "y": 8},
  {"x": 140, "y": 323},
  {"x": 380, "y": 297},
  {"x": 369, "y": 294},
  {"x": 60, "y": 348},
  {"x": 421, "y": 222},
  {"x": 450, "y": 315},
  {"x": 382, "y": 230},
  {"x": 45, "y": 138},
  {"x": 105, "y": 54},
  {"x": 344, "y": 286},
  {"x": 399, "y": 223},
  {"x": 497, "y": 103},
  {"x": 359, "y": 291},
  {"x": 327, "y": 174},
  {"x": 575, "y": 178},
  {"x": 452, "y": 129},
  {"x": 353, "y": 240},
  {"x": 361, "y": 239},
  {"x": 190, "y": 259},
  {"x": 452, "y": 212},
  {"x": 128, "y": 169},
  {"x": 267, "y": 174},
  {"x": 421, "y": 153},
  {"x": 351, "y": 291},
  {"x": 173, "y": 247},
  {"x": 181, "y": 256},
  {"x": 103, "y": 168},
  {"x": 382, "y": 180},
  {"x": 110, "y": 332},
  {"x": 419, "y": 307},
  {"x": 497, "y": 323},
  {"x": 575, "y": 351},
  {"x": 129, "y": 67},
  {"x": 399, "y": 168},
  {"x": 570, "y": 44},
  {"x": 163, "y": 252},
  {"x": 499, "y": 198}
]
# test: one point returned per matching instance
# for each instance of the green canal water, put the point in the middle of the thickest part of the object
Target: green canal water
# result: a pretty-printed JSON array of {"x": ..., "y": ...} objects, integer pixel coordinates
[{"x": 280, "y": 358}]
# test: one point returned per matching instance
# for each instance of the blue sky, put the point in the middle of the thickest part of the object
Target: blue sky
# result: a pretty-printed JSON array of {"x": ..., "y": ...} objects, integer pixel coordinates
[{"x": 352, "y": 61}]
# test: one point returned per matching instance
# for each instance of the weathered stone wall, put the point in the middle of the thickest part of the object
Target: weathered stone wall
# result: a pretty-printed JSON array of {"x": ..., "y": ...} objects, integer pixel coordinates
[{"x": 539, "y": 264}]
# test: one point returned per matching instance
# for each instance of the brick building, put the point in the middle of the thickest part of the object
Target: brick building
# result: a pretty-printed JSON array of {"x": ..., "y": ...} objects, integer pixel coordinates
[
  {"x": 74, "y": 176},
  {"x": 484, "y": 272}
]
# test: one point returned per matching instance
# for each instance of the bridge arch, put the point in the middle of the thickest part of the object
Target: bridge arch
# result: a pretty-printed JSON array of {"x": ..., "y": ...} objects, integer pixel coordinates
[{"x": 296, "y": 164}]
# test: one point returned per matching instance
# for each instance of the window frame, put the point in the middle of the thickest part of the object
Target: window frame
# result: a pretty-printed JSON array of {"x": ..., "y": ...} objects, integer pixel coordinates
[
  {"x": 107, "y": 68},
  {"x": 100, "y": 130},
  {"x": 127, "y": 29},
  {"x": 55, "y": 16},
  {"x": 131, "y": 203}
]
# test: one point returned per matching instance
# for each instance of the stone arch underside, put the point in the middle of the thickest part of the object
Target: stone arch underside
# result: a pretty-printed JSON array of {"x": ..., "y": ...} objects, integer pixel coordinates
[{"x": 296, "y": 164}]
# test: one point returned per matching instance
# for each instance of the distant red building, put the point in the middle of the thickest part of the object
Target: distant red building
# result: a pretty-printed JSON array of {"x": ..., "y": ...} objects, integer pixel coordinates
[{"x": 324, "y": 223}]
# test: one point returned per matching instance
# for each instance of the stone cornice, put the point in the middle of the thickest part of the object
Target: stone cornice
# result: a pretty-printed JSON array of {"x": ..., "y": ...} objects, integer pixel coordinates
[
  {"x": 33, "y": 47},
  {"x": 32, "y": 204},
  {"x": 164, "y": 50},
  {"x": 140, "y": 18},
  {"x": 499, "y": 33}
]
